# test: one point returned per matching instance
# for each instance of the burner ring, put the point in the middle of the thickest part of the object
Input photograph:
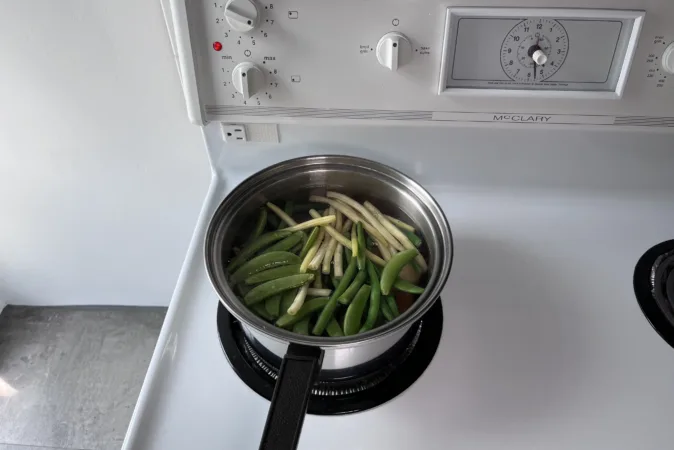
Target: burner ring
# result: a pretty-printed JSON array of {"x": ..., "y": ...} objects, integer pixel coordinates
[
  {"x": 652, "y": 289},
  {"x": 347, "y": 394},
  {"x": 339, "y": 388}
]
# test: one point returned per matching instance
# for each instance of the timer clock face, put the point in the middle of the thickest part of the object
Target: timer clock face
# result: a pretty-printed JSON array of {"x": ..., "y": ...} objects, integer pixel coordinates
[{"x": 534, "y": 50}]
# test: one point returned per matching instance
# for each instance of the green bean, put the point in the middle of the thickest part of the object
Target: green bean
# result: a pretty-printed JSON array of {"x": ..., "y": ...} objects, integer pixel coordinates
[
  {"x": 354, "y": 313},
  {"x": 310, "y": 306},
  {"x": 310, "y": 242},
  {"x": 394, "y": 266},
  {"x": 375, "y": 298},
  {"x": 406, "y": 286},
  {"x": 393, "y": 306},
  {"x": 302, "y": 327},
  {"x": 348, "y": 294},
  {"x": 259, "y": 225},
  {"x": 334, "y": 281},
  {"x": 261, "y": 311},
  {"x": 345, "y": 281},
  {"x": 287, "y": 299},
  {"x": 263, "y": 262},
  {"x": 386, "y": 311},
  {"x": 348, "y": 253},
  {"x": 400, "y": 224},
  {"x": 287, "y": 243},
  {"x": 273, "y": 287},
  {"x": 414, "y": 239},
  {"x": 288, "y": 208},
  {"x": 369, "y": 242},
  {"x": 258, "y": 244},
  {"x": 272, "y": 274},
  {"x": 361, "y": 245},
  {"x": 273, "y": 305},
  {"x": 333, "y": 328},
  {"x": 329, "y": 309}
]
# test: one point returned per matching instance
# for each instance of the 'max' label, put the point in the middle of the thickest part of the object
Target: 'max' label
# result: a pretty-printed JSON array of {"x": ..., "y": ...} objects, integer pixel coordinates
[{"x": 524, "y": 118}]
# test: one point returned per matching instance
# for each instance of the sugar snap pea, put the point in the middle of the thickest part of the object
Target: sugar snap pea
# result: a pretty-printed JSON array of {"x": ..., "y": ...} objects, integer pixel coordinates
[
  {"x": 272, "y": 274},
  {"x": 392, "y": 305},
  {"x": 258, "y": 244},
  {"x": 263, "y": 262},
  {"x": 403, "y": 285},
  {"x": 393, "y": 267},
  {"x": 259, "y": 225},
  {"x": 273, "y": 287},
  {"x": 302, "y": 327},
  {"x": 362, "y": 245},
  {"x": 296, "y": 249},
  {"x": 330, "y": 307},
  {"x": 287, "y": 243},
  {"x": 310, "y": 242},
  {"x": 414, "y": 239},
  {"x": 351, "y": 291},
  {"x": 375, "y": 298},
  {"x": 406, "y": 286},
  {"x": 310, "y": 306},
  {"x": 273, "y": 305},
  {"x": 354, "y": 313},
  {"x": 287, "y": 299},
  {"x": 261, "y": 311},
  {"x": 333, "y": 328}
]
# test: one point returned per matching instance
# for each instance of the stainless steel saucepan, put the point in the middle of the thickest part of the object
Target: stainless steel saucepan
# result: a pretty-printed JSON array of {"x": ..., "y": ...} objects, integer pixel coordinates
[{"x": 307, "y": 357}]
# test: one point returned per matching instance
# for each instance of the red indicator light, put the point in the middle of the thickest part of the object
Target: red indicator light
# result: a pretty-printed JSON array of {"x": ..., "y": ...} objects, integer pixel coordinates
[{"x": 217, "y": 46}]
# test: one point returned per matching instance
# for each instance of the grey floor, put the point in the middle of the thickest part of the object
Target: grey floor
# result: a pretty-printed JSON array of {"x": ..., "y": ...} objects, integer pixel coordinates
[{"x": 70, "y": 377}]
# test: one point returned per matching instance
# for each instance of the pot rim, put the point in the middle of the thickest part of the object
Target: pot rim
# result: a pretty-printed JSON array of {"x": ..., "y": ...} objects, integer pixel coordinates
[{"x": 236, "y": 307}]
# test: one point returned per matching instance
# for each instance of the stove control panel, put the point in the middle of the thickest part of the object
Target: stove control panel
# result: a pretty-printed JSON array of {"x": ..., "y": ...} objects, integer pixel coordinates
[
  {"x": 579, "y": 52},
  {"x": 393, "y": 60}
]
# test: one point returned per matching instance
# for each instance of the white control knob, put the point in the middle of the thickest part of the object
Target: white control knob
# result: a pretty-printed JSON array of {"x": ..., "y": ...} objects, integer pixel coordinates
[
  {"x": 668, "y": 59},
  {"x": 394, "y": 50},
  {"x": 539, "y": 57},
  {"x": 242, "y": 15},
  {"x": 247, "y": 79}
]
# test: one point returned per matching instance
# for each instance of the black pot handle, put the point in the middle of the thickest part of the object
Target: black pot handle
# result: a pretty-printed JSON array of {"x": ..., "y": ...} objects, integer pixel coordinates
[{"x": 299, "y": 369}]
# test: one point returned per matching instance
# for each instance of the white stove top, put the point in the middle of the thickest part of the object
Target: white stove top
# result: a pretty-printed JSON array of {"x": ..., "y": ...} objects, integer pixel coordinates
[{"x": 543, "y": 345}]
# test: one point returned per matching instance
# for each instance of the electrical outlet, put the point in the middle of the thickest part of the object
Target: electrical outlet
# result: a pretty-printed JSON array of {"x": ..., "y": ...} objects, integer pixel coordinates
[{"x": 233, "y": 133}]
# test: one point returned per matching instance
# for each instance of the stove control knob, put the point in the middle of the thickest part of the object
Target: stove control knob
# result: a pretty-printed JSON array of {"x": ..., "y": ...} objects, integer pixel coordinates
[
  {"x": 394, "y": 50},
  {"x": 668, "y": 59},
  {"x": 247, "y": 79},
  {"x": 242, "y": 15}
]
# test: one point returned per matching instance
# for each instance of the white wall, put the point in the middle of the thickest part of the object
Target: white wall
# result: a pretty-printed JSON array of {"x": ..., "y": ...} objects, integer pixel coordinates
[{"x": 101, "y": 175}]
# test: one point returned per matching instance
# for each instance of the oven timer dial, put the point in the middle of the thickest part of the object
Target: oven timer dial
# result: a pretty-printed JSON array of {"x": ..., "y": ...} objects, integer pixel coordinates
[{"x": 534, "y": 50}]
